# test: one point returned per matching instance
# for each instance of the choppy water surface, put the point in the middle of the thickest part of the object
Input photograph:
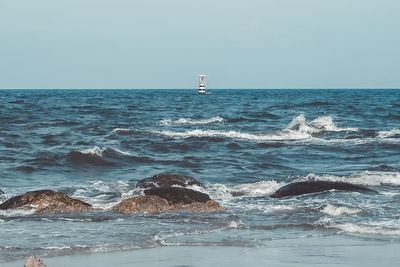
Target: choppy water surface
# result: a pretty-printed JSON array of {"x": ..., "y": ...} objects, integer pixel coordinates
[{"x": 243, "y": 144}]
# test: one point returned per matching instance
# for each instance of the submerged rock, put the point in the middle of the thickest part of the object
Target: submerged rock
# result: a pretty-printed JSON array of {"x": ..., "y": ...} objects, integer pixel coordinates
[
  {"x": 34, "y": 261},
  {"x": 45, "y": 201},
  {"x": 167, "y": 180},
  {"x": 178, "y": 195},
  {"x": 308, "y": 187},
  {"x": 155, "y": 204}
]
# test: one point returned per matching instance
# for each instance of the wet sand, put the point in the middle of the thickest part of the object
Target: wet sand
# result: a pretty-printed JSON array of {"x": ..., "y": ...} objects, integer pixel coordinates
[{"x": 321, "y": 251}]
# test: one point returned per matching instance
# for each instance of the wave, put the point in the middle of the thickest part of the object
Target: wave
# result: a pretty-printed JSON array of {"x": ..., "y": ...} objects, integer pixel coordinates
[
  {"x": 124, "y": 131},
  {"x": 188, "y": 121},
  {"x": 257, "y": 189},
  {"x": 101, "y": 194},
  {"x": 290, "y": 135},
  {"x": 368, "y": 178},
  {"x": 323, "y": 123},
  {"x": 394, "y": 133},
  {"x": 334, "y": 210},
  {"x": 298, "y": 129},
  {"x": 96, "y": 156},
  {"x": 376, "y": 228}
]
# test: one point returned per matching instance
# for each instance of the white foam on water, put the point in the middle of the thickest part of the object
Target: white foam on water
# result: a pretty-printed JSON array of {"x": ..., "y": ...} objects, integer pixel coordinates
[
  {"x": 287, "y": 135},
  {"x": 97, "y": 187},
  {"x": 371, "y": 178},
  {"x": 16, "y": 212},
  {"x": 119, "y": 130},
  {"x": 95, "y": 151},
  {"x": 269, "y": 208},
  {"x": 218, "y": 192},
  {"x": 257, "y": 189},
  {"x": 334, "y": 210},
  {"x": 297, "y": 129},
  {"x": 380, "y": 229},
  {"x": 121, "y": 152},
  {"x": 388, "y": 134},
  {"x": 323, "y": 123},
  {"x": 99, "y": 151},
  {"x": 189, "y": 121}
]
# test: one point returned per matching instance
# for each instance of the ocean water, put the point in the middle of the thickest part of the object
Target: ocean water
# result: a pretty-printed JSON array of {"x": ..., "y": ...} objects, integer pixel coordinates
[{"x": 242, "y": 144}]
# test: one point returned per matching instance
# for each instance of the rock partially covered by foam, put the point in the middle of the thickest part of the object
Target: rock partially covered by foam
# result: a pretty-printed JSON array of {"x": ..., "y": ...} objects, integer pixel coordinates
[
  {"x": 168, "y": 199},
  {"x": 45, "y": 201},
  {"x": 167, "y": 180},
  {"x": 308, "y": 187},
  {"x": 34, "y": 261}
]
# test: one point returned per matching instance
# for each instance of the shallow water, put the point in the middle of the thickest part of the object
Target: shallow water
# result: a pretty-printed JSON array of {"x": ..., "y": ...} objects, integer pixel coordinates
[{"x": 243, "y": 144}]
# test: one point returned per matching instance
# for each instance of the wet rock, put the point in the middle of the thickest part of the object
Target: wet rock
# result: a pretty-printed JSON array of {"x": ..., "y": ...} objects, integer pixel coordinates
[
  {"x": 2, "y": 197},
  {"x": 178, "y": 195},
  {"x": 145, "y": 204},
  {"x": 34, "y": 261},
  {"x": 155, "y": 204},
  {"x": 45, "y": 201},
  {"x": 167, "y": 180},
  {"x": 308, "y": 187}
]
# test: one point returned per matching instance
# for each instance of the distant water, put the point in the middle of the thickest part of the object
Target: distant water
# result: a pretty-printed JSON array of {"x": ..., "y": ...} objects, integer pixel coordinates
[{"x": 243, "y": 144}]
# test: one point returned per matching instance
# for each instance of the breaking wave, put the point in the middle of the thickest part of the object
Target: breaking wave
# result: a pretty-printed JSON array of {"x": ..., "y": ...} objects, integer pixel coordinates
[
  {"x": 188, "y": 121},
  {"x": 375, "y": 228},
  {"x": 334, "y": 210},
  {"x": 298, "y": 129},
  {"x": 369, "y": 178},
  {"x": 320, "y": 124},
  {"x": 394, "y": 133},
  {"x": 96, "y": 156}
]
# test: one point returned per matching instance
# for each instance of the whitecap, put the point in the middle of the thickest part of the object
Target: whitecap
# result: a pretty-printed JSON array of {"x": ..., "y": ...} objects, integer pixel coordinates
[
  {"x": 334, "y": 210},
  {"x": 119, "y": 130},
  {"x": 95, "y": 151},
  {"x": 189, "y": 121},
  {"x": 297, "y": 129},
  {"x": 100, "y": 151},
  {"x": 374, "y": 228},
  {"x": 369, "y": 178},
  {"x": 257, "y": 189},
  {"x": 286, "y": 135},
  {"x": 388, "y": 134},
  {"x": 319, "y": 124}
]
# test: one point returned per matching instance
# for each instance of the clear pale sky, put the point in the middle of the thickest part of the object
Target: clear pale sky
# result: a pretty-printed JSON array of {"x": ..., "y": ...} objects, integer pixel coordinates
[{"x": 166, "y": 43}]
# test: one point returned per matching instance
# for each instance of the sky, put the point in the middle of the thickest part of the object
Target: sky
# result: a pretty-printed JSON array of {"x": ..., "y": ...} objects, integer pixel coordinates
[{"x": 166, "y": 43}]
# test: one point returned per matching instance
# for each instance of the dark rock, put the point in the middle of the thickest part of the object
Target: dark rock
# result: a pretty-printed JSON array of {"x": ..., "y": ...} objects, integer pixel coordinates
[
  {"x": 155, "y": 204},
  {"x": 2, "y": 198},
  {"x": 45, "y": 201},
  {"x": 308, "y": 187},
  {"x": 178, "y": 195},
  {"x": 167, "y": 180}
]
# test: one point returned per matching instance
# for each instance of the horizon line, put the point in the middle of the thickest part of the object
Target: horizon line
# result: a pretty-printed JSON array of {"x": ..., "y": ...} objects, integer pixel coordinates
[{"x": 293, "y": 88}]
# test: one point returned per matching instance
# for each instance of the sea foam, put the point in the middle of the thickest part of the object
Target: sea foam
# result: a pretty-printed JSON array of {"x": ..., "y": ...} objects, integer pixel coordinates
[
  {"x": 297, "y": 129},
  {"x": 369, "y": 178},
  {"x": 189, "y": 121},
  {"x": 335, "y": 210}
]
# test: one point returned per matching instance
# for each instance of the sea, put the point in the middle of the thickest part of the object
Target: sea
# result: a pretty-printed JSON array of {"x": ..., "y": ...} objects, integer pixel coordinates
[{"x": 95, "y": 145}]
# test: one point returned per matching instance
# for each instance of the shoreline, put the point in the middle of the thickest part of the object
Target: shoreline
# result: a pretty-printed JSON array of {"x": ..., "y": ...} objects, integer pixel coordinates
[{"x": 324, "y": 251}]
